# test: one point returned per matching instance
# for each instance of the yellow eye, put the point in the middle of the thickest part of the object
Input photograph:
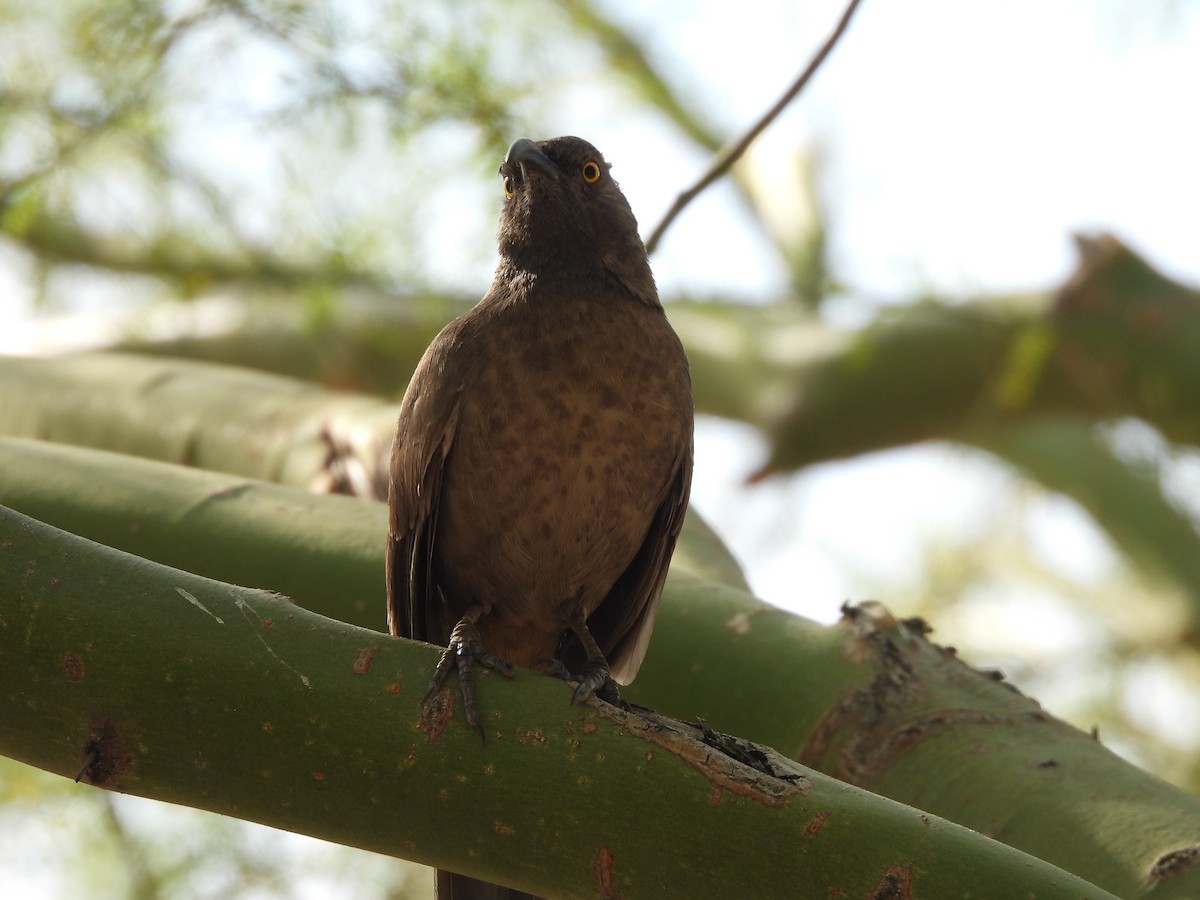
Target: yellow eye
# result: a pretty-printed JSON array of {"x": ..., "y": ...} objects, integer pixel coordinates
[
  {"x": 508, "y": 188},
  {"x": 590, "y": 171}
]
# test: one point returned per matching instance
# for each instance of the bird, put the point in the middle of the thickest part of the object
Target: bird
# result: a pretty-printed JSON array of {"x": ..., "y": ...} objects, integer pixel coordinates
[{"x": 542, "y": 461}]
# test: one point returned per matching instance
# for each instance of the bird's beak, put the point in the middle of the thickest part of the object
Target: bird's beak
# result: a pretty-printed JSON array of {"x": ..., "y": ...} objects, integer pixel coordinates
[{"x": 526, "y": 154}]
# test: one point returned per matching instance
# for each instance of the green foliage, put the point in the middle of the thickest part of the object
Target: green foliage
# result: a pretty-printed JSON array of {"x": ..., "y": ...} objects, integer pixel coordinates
[{"x": 249, "y": 145}]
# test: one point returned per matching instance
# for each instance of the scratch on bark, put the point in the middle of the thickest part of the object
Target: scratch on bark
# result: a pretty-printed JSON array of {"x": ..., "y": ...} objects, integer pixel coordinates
[
  {"x": 191, "y": 598},
  {"x": 817, "y": 823},
  {"x": 34, "y": 608},
  {"x": 247, "y": 610},
  {"x": 739, "y": 623}
]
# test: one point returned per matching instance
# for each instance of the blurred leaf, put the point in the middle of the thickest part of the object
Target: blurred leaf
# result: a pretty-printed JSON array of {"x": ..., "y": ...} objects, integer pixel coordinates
[
  {"x": 1067, "y": 455},
  {"x": 1028, "y": 382},
  {"x": 1118, "y": 340}
]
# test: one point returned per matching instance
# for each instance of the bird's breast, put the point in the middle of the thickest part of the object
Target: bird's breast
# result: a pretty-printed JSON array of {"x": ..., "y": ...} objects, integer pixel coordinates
[{"x": 568, "y": 438}]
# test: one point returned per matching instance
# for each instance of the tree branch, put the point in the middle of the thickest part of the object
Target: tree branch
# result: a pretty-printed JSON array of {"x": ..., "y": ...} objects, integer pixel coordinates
[
  {"x": 881, "y": 706},
  {"x": 169, "y": 685},
  {"x": 727, "y": 157}
]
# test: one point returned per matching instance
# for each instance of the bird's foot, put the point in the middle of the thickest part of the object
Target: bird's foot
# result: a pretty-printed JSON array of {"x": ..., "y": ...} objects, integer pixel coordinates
[
  {"x": 554, "y": 668},
  {"x": 593, "y": 681},
  {"x": 464, "y": 650},
  {"x": 596, "y": 681}
]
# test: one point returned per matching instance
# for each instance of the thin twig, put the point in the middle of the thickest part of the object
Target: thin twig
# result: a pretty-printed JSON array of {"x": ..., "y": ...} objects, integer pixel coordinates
[{"x": 725, "y": 159}]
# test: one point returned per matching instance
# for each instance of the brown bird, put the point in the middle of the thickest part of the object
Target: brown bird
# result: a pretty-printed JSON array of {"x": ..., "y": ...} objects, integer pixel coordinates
[{"x": 543, "y": 457}]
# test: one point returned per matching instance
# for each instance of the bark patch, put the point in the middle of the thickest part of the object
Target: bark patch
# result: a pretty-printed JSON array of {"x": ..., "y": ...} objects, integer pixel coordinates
[
  {"x": 436, "y": 714},
  {"x": 817, "y": 823},
  {"x": 1175, "y": 863},
  {"x": 105, "y": 756},
  {"x": 362, "y": 661},
  {"x": 896, "y": 884},
  {"x": 73, "y": 665},
  {"x": 602, "y": 868},
  {"x": 733, "y": 765},
  {"x": 870, "y": 727}
]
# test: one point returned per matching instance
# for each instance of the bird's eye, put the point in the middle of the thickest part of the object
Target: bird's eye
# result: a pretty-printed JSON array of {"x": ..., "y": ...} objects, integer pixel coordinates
[
  {"x": 508, "y": 188},
  {"x": 590, "y": 171}
]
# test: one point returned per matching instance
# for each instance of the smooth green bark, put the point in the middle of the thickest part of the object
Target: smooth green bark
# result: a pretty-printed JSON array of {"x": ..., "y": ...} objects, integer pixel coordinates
[
  {"x": 145, "y": 679},
  {"x": 324, "y": 551},
  {"x": 211, "y": 417},
  {"x": 830, "y": 697}
]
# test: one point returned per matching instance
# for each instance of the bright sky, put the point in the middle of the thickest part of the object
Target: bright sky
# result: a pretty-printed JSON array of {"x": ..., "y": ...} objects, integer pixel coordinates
[
  {"x": 964, "y": 141},
  {"x": 964, "y": 144}
]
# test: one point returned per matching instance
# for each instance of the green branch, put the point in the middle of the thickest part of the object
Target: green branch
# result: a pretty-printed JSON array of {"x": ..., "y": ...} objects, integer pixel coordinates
[
  {"x": 144, "y": 679},
  {"x": 1119, "y": 339},
  {"x": 869, "y": 702},
  {"x": 221, "y": 418}
]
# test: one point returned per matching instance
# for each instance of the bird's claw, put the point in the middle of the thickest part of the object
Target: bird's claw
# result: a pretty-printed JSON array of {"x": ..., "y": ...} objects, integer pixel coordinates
[
  {"x": 554, "y": 668},
  {"x": 594, "y": 681},
  {"x": 462, "y": 652}
]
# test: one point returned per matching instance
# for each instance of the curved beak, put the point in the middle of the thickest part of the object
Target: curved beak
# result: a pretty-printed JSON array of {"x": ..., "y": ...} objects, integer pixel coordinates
[{"x": 526, "y": 154}]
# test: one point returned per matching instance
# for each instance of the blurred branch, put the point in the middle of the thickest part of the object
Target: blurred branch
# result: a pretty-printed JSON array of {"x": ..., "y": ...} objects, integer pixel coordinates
[
  {"x": 725, "y": 159},
  {"x": 1119, "y": 339},
  {"x": 144, "y": 883},
  {"x": 86, "y": 124},
  {"x": 55, "y": 235},
  {"x": 374, "y": 343},
  {"x": 125, "y": 83},
  {"x": 1029, "y": 383},
  {"x": 215, "y": 417},
  {"x": 1066, "y": 454},
  {"x": 176, "y": 258},
  {"x": 419, "y": 95},
  {"x": 628, "y": 55}
]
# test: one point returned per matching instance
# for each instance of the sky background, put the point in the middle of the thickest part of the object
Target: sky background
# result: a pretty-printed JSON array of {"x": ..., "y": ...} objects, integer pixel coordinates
[{"x": 961, "y": 146}]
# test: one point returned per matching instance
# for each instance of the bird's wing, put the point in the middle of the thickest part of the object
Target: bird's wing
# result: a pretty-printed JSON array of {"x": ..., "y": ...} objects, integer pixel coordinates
[
  {"x": 424, "y": 437},
  {"x": 623, "y": 621}
]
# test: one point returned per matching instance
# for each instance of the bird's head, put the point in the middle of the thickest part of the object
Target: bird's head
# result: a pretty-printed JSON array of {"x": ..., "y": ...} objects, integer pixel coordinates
[{"x": 564, "y": 214}]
